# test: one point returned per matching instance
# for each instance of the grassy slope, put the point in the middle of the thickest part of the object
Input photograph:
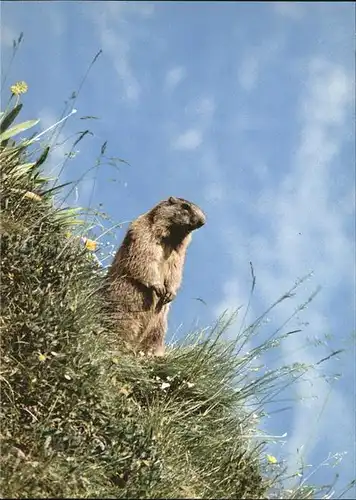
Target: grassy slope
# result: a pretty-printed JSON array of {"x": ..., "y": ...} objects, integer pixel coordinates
[{"x": 82, "y": 417}]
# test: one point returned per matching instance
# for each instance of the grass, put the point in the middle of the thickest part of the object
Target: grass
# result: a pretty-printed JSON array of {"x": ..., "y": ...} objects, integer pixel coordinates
[{"x": 82, "y": 417}]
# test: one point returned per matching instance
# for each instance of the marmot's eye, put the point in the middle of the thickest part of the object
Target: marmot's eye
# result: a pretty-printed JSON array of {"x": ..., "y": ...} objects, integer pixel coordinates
[{"x": 185, "y": 206}]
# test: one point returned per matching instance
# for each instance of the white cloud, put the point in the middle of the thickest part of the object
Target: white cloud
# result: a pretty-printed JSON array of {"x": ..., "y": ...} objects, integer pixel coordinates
[
  {"x": 189, "y": 140},
  {"x": 57, "y": 152},
  {"x": 256, "y": 59},
  {"x": 260, "y": 170},
  {"x": 214, "y": 188},
  {"x": 85, "y": 191},
  {"x": 248, "y": 73},
  {"x": 56, "y": 20},
  {"x": 8, "y": 35},
  {"x": 118, "y": 48},
  {"x": 200, "y": 111},
  {"x": 174, "y": 77},
  {"x": 303, "y": 201},
  {"x": 235, "y": 297},
  {"x": 213, "y": 192},
  {"x": 205, "y": 109},
  {"x": 248, "y": 122},
  {"x": 58, "y": 164},
  {"x": 116, "y": 37},
  {"x": 327, "y": 100}
]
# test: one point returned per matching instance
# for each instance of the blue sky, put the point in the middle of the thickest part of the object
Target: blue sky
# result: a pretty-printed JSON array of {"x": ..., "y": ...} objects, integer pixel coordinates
[{"x": 247, "y": 110}]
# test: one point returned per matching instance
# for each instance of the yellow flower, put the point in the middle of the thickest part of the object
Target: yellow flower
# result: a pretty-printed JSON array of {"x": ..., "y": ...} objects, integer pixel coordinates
[
  {"x": 68, "y": 234},
  {"x": 90, "y": 245},
  {"x": 42, "y": 357},
  {"x": 19, "y": 88},
  {"x": 271, "y": 459}
]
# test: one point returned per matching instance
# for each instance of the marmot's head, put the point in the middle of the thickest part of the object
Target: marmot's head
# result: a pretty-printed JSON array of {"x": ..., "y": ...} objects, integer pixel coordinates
[{"x": 179, "y": 214}]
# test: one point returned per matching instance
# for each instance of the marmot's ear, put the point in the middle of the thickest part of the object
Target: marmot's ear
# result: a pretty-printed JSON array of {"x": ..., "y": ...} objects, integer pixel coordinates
[{"x": 172, "y": 200}]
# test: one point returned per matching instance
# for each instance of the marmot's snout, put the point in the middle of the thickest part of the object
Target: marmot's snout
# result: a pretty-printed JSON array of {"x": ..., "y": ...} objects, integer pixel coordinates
[{"x": 200, "y": 220}]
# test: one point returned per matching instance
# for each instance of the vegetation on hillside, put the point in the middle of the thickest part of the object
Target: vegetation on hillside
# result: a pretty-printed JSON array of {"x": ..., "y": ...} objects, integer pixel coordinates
[{"x": 80, "y": 416}]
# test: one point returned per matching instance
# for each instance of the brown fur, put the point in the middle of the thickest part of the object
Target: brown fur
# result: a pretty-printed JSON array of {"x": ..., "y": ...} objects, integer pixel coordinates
[{"x": 146, "y": 272}]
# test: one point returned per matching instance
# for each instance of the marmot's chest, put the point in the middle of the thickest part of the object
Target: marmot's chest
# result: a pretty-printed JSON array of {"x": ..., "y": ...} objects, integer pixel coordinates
[
  {"x": 168, "y": 253},
  {"x": 170, "y": 259}
]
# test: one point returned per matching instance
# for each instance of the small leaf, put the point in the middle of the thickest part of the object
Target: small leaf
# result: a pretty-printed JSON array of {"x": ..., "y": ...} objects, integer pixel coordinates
[
  {"x": 9, "y": 118},
  {"x": 200, "y": 300},
  {"x": 43, "y": 156},
  {"x": 56, "y": 188},
  {"x": 103, "y": 148},
  {"x": 21, "y": 127},
  {"x": 68, "y": 213},
  {"x": 89, "y": 117},
  {"x": 82, "y": 134}
]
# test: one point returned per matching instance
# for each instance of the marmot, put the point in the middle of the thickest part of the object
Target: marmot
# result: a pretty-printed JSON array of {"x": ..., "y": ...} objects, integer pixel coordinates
[{"x": 147, "y": 271}]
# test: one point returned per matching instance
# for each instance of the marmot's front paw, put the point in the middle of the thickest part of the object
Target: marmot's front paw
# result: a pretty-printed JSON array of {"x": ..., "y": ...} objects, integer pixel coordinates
[
  {"x": 159, "y": 289},
  {"x": 168, "y": 297},
  {"x": 163, "y": 293}
]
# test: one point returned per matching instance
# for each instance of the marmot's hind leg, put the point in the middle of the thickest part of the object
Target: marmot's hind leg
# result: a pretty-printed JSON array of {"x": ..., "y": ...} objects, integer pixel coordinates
[{"x": 153, "y": 340}]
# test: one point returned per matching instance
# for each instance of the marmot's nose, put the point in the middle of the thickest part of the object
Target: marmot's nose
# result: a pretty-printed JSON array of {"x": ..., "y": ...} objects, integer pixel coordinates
[{"x": 200, "y": 220}]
